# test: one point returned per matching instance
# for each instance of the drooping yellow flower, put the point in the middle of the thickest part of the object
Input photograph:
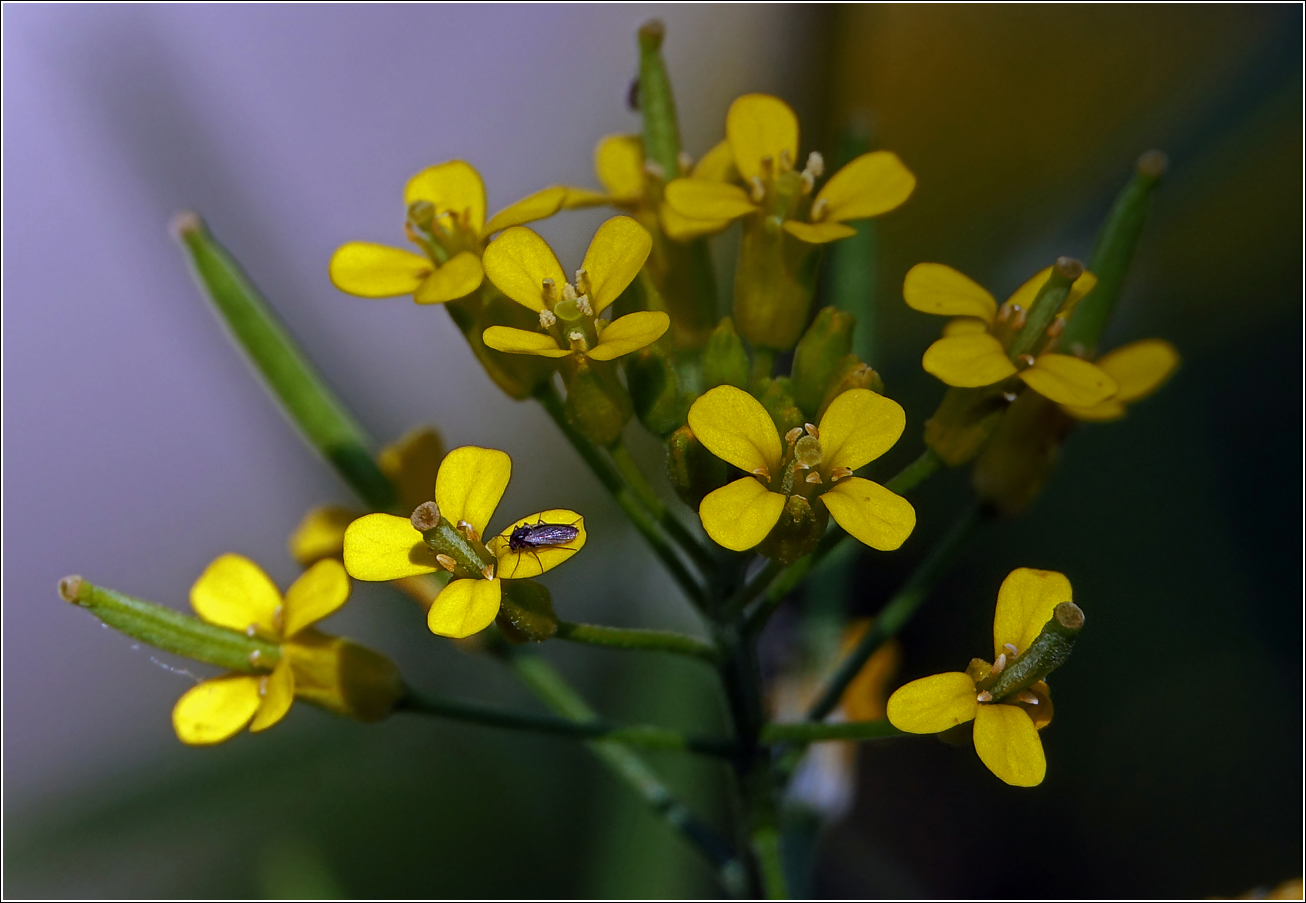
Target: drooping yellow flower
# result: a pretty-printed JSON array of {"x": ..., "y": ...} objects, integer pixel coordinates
[
  {"x": 524, "y": 267},
  {"x": 1006, "y": 730},
  {"x": 411, "y": 463},
  {"x": 234, "y": 592},
  {"x": 467, "y": 490},
  {"x": 814, "y": 464},
  {"x": 1138, "y": 369},
  {"x": 446, "y": 220},
  {"x": 762, "y": 135},
  {"x": 973, "y": 351}
]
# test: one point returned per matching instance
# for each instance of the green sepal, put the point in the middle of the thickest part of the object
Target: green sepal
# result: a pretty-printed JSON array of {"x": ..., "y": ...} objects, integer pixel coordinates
[
  {"x": 286, "y": 372},
  {"x": 518, "y": 375},
  {"x": 692, "y": 469},
  {"x": 776, "y": 395},
  {"x": 774, "y": 280},
  {"x": 655, "y": 390},
  {"x": 725, "y": 360},
  {"x": 818, "y": 356},
  {"x": 850, "y": 374},
  {"x": 527, "y": 607},
  {"x": 798, "y": 531},
  {"x": 963, "y": 422},
  {"x": 598, "y": 405},
  {"x": 170, "y": 630},
  {"x": 1013, "y": 467},
  {"x": 1112, "y": 254}
]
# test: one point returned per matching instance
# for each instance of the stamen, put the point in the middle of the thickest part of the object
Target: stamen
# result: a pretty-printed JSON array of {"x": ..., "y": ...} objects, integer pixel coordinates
[
  {"x": 839, "y": 473},
  {"x": 1055, "y": 327},
  {"x": 279, "y": 617},
  {"x": 807, "y": 182},
  {"x": 1005, "y": 311},
  {"x": 761, "y": 473},
  {"x": 1011, "y": 647},
  {"x": 768, "y": 166},
  {"x": 1027, "y": 697},
  {"x": 786, "y": 160},
  {"x": 656, "y": 171},
  {"x": 550, "y": 292},
  {"x": 568, "y": 292},
  {"x": 811, "y": 430},
  {"x": 686, "y": 161},
  {"x": 986, "y": 696},
  {"x": 446, "y": 562},
  {"x": 813, "y": 477},
  {"x": 756, "y": 190},
  {"x": 583, "y": 305},
  {"x": 1019, "y": 319},
  {"x": 1025, "y": 360},
  {"x": 262, "y": 687},
  {"x": 1008, "y": 397},
  {"x": 577, "y": 340},
  {"x": 251, "y": 630},
  {"x": 547, "y": 318},
  {"x": 792, "y": 436},
  {"x": 815, "y": 164},
  {"x": 488, "y": 572},
  {"x": 999, "y": 664},
  {"x": 818, "y": 210},
  {"x": 469, "y": 531},
  {"x": 582, "y": 281},
  {"x": 255, "y": 657},
  {"x": 411, "y": 233}
]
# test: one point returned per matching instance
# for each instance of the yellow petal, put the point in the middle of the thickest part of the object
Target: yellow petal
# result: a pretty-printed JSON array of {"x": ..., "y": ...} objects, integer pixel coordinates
[
  {"x": 454, "y": 186},
  {"x": 321, "y": 534},
  {"x": 235, "y": 592},
  {"x": 411, "y": 463},
  {"x": 968, "y": 361},
  {"x": 518, "y": 341},
  {"x": 614, "y": 258},
  {"x": 965, "y": 326},
  {"x": 216, "y": 709},
  {"x": 464, "y": 607},
  {"x": 858, "y": 427},
  {"x": 456, "y": 278},
  {"x": 758, "y": 126},
  {"x": 385, "y": 547},
  {"x": 1009, "y": 746},
  {"x": 934, "y": 288},
  {"x": 540, "y": 205},
  {"x": 278, "y": 692},
  {"x": 1025, "y": 295},
  {"x": 735, "y": 427},
  {"x": 717, "y": 165},
  {"x": 933, "y": 704},
  {"x": 630, "y": 333},
  {"x": 818, "y": 233},
  {"x": 1068, "y": 380},
  {"x": 317, "y": 593},
  {"x": 518, "y": 262},
  {"x": 1140, "y": 368},
  {"x": 682, "y": 228},
  {"x": 1025, "y": 603},
  {"x": 533, "y": 561},
  {"x": 740, "y": 514},
  {"x": 876, "y": 516},
  {"x": 470, "y": 483},
  {"x": 869, "y": 185},
  {"x": 619, "y": 164},
  {"x": 706, "y": 200},
  {"x": 377, "y": 271},
  {"x": 583, "y": 197}
]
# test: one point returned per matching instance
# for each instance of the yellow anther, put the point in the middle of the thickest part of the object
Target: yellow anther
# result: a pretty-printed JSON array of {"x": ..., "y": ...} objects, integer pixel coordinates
[
  {"x": 786, "y": 160},
  {"x": 550, "y": 291},
  {"x": 999, "y": 664},
  {"x": 686, "y": 161},
  {"x": 583, "y": 305},
  {"x": 469, "y": 531},
  {"x": 806, "y": 182},
  {"x": 767, "y": 165},
  {"x": 762, "y": 474},
  {"x": 577, "y": 340},
  {"x": 1011, "y": 647},
  {"x": 986, "y": 696},
  {"x": 756, "y": 189},
  {"x": 818, "y": 210},
  {"x": 1027, "y": 697},
  {"x": 1008, "y": 397},
  {"x": 568, "y": 292},
  {"x": 840, "y": 473},
  {"x": 655, "y": 170},
  {"x": 1055, "y": 327},
  {"x": 488, "y": 572},
  {"x": 582, "y": 281},
  {"x": 815, "y": 164},
  {"x": 547, "y": 318},
  {"x": 1018, "y": 318},
  {"x": 262, "y": 686},
  {"x": 1025, "y": 360},
  {"x": 255, "y": 658},
  {"x": 446, "y": 562},
  {"x": 792, "y": 436},
  {"x": 811, "y": 430},
  {"x": 812, "y": 477}
]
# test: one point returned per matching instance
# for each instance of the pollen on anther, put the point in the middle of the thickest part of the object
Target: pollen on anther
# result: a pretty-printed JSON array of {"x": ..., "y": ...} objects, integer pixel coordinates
[
  {"x": 568, "y": 292},
  {"x": 446, "y": 562},
  {"x": 1018, "y": 320},
  {"x": 840, "y": 472},
  {"x": 818, "y": 209},
  {"x": 985, "y": 696},
  {"x": 469, "y": 531},
  {"x": 812, "y": 430},
  {"x": 999, "y": 664},
  {"x": 1027, "y": 697},
  {"x": 488, "y": 572},
  {"x": 815, "y": 164},
  {"x": 792, "y": 436},
  {"x": 786, "y": 160},
  {"x": 1011, "y": 647},
  {"x": 1008, "y": 397},
  {"x": 762, "y": 473},
  {"x": 1056, "y": 326},
  {"x": 1025, "y": 360},
  {"x": 807, "y": 181},
  {"x": 583, "y": 305},
  {"x": 756, "y": 189},
  {"x": 686, "y": 161},
  {"x": 547, "y": 318},
  {"x": 813, "y": 477},
  {"x": 1004, "y": 313}
]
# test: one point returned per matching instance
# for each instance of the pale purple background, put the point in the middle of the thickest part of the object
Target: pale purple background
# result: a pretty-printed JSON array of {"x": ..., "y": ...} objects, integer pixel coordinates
[{"x": 136, "y": 445}]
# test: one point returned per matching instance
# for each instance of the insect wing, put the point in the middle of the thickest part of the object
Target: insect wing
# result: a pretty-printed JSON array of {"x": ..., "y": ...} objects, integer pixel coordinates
[{"x": 541, "y": 535}]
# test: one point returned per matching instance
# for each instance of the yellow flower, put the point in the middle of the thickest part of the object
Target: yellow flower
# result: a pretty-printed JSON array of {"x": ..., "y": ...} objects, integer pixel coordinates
[
  {"x": 446, "y": 220},
  {"x": 1006, "y": 731},
  {"x": 815, "y": 464},
  {"x": 1138, "y": 369},
  {"x": 467, "y": 490},
  {"x": 973, "y": 352},
  {"x": 410, "y": 463},
  {"x": 523, "y": 267},
  {"x": 234, "y": 592},
  {"x": 762, "y": 135}
]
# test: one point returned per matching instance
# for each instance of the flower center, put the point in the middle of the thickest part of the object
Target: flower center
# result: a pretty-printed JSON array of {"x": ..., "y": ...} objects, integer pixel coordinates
[
  {"x": 568, "y": 315},
  {"x": 441, "y": 234}
]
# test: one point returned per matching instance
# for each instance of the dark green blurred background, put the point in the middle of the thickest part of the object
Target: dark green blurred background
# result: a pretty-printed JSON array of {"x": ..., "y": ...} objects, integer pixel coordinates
[{"x": 1175, "y": 760}]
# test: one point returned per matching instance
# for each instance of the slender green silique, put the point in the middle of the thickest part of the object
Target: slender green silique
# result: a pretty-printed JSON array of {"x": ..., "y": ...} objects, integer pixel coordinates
[
  {"x": 1048, "y": 652},
  {"x": 1112, "y": 254},
  {"x": 1043, "y": 309},
  {"x": 285, "y": 370},
  {"x": 894, "y": 616},
  {"x": 170, "y": 630},
  {"x": 657, "y": 105},
  {"x": 550, "y": 688},
  {"x": 636, "y": 638},
  {"x": 646, "y": 736}
]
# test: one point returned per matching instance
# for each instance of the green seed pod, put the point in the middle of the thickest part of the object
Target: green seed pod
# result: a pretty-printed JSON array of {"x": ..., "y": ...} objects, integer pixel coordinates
[
  {"x": 527, "y": 609},
  {"x": 693, "y": 470},
  {"x": 819, "y": 355},
  {"x": 655, "y": 390},
  {"x": 597, "y": 403},
  {"x": 725, "y": 362}
]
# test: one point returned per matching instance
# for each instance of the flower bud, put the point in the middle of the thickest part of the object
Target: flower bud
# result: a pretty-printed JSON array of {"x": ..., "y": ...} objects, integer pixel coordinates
[
  {"x": 597, "y": 404},
  {"x": 342, "y": 676},
  {"x": 693, "y": 470},
  {"x": 725, "y": 362},
  {"x": 655, "y": 390},
  {"x": 819, "y": 355},
  {"x": 774, "y": 280},
  {"x": 776, "y": 395},
  {"x": 851, "y": 374}
]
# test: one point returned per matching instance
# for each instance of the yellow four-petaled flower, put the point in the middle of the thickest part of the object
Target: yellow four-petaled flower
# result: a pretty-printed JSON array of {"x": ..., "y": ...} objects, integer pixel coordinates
[
  {"x": 1006, "y": 731},
  {"x": 468, "y": 488},
  {"x": 816, "y": 463}
]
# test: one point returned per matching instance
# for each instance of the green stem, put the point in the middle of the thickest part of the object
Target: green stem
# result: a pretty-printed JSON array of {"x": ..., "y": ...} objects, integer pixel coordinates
[
  {"x": 899, "y": 610},
  {"x": 670, "y": 524},
  {"x": 634, "y": 638},
  {"x": 630, "y": 735},
  {"x": 305, "y": 399},
  {"x": 624, "y": 496},
  {"x": 770, "y": 860},
  {"x": 915, "y": 473},
  {"x": 823, "y": 731},
  {"x": 558, "y": 695}
]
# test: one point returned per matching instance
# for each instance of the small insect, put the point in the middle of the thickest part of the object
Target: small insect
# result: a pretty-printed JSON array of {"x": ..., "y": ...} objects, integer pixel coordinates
[{"x": 533, "y": 537}]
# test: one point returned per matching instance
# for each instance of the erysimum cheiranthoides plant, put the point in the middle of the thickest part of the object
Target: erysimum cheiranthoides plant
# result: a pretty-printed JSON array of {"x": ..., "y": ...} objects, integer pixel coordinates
[{"x": 772, "y": 427}]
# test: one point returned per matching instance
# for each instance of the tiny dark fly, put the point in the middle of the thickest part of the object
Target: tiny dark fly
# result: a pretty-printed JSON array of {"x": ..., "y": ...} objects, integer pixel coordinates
[{"x": 533, "y": 537}]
